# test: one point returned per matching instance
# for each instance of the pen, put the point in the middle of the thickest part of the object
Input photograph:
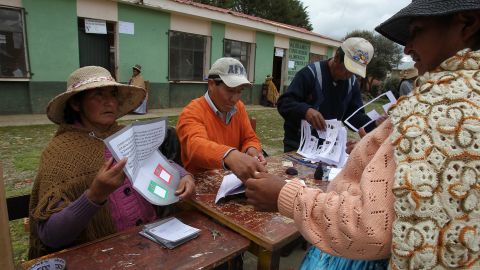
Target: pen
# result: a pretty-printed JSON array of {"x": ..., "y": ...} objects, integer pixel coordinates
[{"x": 303, "y": 162}]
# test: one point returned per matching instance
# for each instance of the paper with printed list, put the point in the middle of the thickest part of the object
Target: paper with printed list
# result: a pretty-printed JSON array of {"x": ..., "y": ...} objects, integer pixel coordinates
[
  {"x": 150, "y": 172},
  {"x": 326, "y": 146},
  {"x": 231, "y": 185}
]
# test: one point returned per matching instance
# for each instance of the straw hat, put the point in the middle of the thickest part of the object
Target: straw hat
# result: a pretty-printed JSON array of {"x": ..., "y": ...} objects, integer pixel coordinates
[
  {"x": 409, "y": 73},
  {"x": 396, "y": 28},
  {"x": 137, "y": 67},
  {"x": 90, "y": 77}
]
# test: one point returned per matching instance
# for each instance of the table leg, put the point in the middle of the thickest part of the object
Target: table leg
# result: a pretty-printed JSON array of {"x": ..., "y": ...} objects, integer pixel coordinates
[{"x": 266, "y": 259}]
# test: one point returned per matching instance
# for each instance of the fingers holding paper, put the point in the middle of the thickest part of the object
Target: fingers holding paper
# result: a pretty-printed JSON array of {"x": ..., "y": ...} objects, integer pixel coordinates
[
  {"x": 263, "y": 190},
  {"x": 315, "y": 118},
  {"x": 243, "y": 165},
  {"x": 253, "y": 152},
  {"x": 186, "y": 187},
  {"x": 109, "y": 178}
]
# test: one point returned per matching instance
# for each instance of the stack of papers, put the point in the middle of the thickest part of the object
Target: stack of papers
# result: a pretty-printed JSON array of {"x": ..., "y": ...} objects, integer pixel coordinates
[
  {"x": 326, "y": 146},
  {"x": 231, "y": 185},
  {"x": 169, "y": 232}
]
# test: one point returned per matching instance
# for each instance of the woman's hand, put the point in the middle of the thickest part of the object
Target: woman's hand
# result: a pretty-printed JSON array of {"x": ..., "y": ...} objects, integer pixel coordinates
[
  {"x": 186, "y": 188},
  {"x": 108, "y": 179}
]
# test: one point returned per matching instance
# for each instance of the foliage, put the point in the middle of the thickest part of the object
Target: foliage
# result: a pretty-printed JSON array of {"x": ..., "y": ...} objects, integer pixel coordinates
[
  {"x": 290, "y": 12},
  {"x": 387, "y": 55},
  {"x": 391, "y": 84}
]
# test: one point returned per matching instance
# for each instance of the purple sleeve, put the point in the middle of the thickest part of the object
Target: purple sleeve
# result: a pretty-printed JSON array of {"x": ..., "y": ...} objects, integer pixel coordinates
[
  {"x": 63, "y": 227},
  {"x": 179, "y": 168}
]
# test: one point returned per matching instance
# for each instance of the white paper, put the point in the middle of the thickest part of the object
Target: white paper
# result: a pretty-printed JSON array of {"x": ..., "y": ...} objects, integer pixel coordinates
[
  {"x": 333, "y": 172},
  {"x": 291, "y": 64},
  {"x": 279, "y": 52},
  {"x": 95, "y": 26},
  {"x": 150, "y": 172},
  {"x": 231, "y": 185},
  {"x": 390, "y": 97},
  {"x": 173, "y": 230},
  {"x": 331, "y": 151},
  {"x": 126, "y": 28},
  {"x": 374, "y": 115}
]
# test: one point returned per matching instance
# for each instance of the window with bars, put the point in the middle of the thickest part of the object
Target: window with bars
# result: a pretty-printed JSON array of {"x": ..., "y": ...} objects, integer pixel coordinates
[
  {"x": 13, "y": 54},
  {"x": 189, "y": 56}
]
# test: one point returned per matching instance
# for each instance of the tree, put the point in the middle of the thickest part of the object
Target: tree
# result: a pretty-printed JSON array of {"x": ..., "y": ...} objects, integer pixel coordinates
[
  {"x": 290, "y": 12},
  {"x": 387, "y": 55}
]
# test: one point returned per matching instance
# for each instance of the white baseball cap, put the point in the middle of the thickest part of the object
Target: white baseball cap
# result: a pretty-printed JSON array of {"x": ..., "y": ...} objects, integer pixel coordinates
[
  {"x": 231, "y": 71},
  {"x": 358, "y": 53}
]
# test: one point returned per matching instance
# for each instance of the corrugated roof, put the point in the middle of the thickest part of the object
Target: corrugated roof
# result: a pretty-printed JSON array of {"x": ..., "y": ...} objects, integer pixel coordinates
[{"x": 253, "y": 18}]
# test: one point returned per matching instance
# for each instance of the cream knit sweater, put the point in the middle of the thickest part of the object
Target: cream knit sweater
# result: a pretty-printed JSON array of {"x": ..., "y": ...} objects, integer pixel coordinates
[{"x": 424, "y": 208}]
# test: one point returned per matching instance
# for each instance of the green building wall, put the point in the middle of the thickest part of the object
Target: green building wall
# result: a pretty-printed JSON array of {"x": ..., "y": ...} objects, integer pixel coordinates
[
  {"x": 52, "y": 44},
  {"x": 263, "y": 63},
  {"x": 218, "y": 35},
  {"x": 148, "y": 47}
]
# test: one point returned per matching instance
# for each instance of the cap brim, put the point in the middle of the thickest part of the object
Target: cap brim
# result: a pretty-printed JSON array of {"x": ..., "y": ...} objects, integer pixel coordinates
[
  {"x": 235, "y": 81},
  {"x": 129, "y": 97},
  {"x": 355, "y": 67}
]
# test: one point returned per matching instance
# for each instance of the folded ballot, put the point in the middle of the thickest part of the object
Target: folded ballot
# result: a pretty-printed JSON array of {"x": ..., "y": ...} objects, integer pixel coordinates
[
  {"x": 169, "y": 232},
  {"x": 231, "y": 185}
]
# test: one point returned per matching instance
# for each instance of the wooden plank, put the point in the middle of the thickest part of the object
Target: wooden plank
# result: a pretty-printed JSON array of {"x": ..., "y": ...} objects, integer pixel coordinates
[
  {"x": 130, "y": 250},
  {"x": 6, "y": 260}
]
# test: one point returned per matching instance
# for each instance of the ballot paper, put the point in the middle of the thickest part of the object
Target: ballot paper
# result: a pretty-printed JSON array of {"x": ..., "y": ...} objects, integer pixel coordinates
[
  {"x": 372, "y": 114},
  {"x": 150, "y": 172},
  {"x": 169, "y": 232},
  {"x": 324, "y": 146},
  {"x": 231, "y": 185}
]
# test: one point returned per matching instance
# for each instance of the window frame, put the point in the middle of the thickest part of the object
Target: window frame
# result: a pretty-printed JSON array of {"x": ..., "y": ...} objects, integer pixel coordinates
[
  {"x": 206, "y": 58},
  {"x": 26, "y": 63},
  {"x": 251, "y": 51}
]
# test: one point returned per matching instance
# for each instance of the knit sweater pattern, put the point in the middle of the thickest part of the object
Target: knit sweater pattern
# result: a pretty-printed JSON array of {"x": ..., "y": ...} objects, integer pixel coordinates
[{"x": 437, "y": 178}]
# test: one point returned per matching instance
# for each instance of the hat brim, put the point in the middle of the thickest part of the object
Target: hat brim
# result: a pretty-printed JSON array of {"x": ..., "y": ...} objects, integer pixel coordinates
[
  {"x": 129, "y": 98},
  {"x": 235, "y": 81},
  {"x": 137, "y": 69},
  {"x": 397, "y": 27},
  {"x": 355, "y": 67}
]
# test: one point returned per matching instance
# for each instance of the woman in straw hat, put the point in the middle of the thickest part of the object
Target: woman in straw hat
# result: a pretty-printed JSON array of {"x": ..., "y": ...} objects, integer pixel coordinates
[
  {"x": 410, "y": 191},
  {"x": 405, "y": 86},
  {"x": 68, "y": 204}
]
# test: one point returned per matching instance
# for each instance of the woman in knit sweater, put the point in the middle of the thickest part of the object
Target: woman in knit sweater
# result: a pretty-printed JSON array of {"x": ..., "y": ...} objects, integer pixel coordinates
[
  {"x": 80, "y": 194},
  {"x": 410, "y": 190}
]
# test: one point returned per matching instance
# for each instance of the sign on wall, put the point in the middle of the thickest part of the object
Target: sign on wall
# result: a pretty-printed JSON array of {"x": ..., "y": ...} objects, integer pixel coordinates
[
  {"x": 298, "y": 56},
  {"x": 126, "y": 28},
  {"x": 95, "y": 26}
]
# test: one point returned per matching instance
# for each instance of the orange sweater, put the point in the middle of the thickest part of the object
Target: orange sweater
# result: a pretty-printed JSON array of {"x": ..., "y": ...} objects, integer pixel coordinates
[{"x": 205, "y": 138}]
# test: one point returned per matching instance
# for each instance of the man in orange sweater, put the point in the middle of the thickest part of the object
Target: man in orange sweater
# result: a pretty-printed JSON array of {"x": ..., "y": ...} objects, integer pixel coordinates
[{"x": 214, "y": 130}]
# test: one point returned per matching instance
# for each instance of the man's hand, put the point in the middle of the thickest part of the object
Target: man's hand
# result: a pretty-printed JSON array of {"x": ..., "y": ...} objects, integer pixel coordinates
[
  {"x": 108, "y": 179},
  {"x": 186, "y": 187},
  {"x": 243, "y": 165},
  {"x": 263, "y": 191},
  {"x": 253, "y": 152},
  {"x": 315, "y": 118}
]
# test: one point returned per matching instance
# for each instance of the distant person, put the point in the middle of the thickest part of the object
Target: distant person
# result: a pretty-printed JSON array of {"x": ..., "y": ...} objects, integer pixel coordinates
[
  {"x": 408, "y": 197},
  {"x": 326, "y": 90},
  {"x": 138, "y": 81},
  {"x": 406, "y": 84},
  {"x": 272, "y": 92},
  {"x": 215, "y": 131},
  {"x": 80, "y": 194}
]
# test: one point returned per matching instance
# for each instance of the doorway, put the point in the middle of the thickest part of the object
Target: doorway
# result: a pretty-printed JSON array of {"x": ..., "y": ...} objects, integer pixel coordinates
[
  {"x": 97, "y": 49},
  {"x": 277, "y": 68}
]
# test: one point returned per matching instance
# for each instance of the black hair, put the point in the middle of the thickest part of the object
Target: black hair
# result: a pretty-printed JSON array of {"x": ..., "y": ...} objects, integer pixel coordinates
[
  {"x": 70, "y": 116},
  {"x": 340, "y": 53},
  {"x": 216, "y": 78}
]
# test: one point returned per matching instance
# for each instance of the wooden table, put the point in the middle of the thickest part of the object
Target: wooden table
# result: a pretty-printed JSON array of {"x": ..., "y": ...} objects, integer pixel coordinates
[
  {"x": 268, "y": 231},
  {"x": 129, "y": 250}
]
